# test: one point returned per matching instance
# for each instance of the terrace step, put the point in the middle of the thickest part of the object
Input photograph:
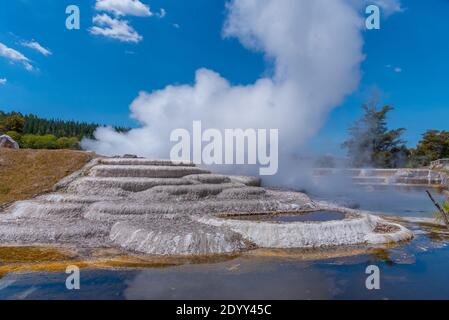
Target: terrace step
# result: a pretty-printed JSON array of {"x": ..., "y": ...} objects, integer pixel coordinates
[
  {"x": 189, "y": 192},
  {"x": 140, "y": 162},
  {"x": 106, "y": 185},
  {"x": 147, "y": 171},
  {"x": 179, "y": 237},
  {"x": 370, "y": 179},
  {"x": 41, "y": 209},
  {"x": 49, "y": 231},
  {"x": 182, "y": 208}
]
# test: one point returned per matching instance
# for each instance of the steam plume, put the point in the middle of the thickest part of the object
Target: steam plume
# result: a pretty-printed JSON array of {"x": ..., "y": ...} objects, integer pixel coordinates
[{"x": 316, "y": 49}]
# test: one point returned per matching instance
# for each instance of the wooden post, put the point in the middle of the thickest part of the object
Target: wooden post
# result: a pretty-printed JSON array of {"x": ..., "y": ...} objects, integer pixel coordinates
[{"x": 442, "y": 211}]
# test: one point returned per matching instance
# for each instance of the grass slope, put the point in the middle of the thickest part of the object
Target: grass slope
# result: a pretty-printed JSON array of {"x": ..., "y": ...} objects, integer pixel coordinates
[{"x": 25, "y": 173}]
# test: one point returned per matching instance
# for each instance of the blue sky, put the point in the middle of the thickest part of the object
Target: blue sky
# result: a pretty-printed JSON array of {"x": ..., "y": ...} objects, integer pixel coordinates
[{"x": 94, "y": 78}]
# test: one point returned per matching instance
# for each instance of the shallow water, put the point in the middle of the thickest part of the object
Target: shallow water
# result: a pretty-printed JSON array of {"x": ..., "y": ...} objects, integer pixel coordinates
[
  {"x": 413, "y": 270},
  {"x": 314, "y": 216},
  {"x": 416, "y": 270},
  {"x": 401, "y": 201}
]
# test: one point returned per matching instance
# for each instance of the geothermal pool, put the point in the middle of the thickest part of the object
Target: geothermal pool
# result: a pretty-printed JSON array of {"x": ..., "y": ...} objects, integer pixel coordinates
[
  {"x": 399, "y": 201},
  {"x": 314, "y": 216},
  {"x": 413, "y": 270}
]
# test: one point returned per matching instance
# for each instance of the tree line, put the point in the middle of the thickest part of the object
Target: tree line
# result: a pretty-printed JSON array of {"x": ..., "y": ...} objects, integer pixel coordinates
[
  {"x": 371, "y": 143},
  {"x": 33, "y": 132}
]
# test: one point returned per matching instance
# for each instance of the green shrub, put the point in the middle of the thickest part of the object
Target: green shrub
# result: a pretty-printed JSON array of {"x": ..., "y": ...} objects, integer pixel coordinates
[
  {"x": 48, "y": 141},
  {"x": 15, "y": 135},
  {"x": 32, "y": 141},
  {"x": 67, "y": 143}
]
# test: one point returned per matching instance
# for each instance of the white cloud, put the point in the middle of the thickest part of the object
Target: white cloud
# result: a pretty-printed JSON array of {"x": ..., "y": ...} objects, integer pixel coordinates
[
  {"x": 395, "y": 69},
  {"x": 389, "y": 7},
  {"x": 114, "y": 28},
  {"x": 3, "y": 81},
  {"x": 124, "y": 7},
  {"x": 36, "y": 46},
  {"x": 175, "y": 25},
  {"x": 15, "y": 56},
  {"x": 162, "y": 13}
]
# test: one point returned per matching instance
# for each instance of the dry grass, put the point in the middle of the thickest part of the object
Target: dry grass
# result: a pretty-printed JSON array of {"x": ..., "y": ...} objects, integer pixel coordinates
[{"x": 26, "y": 173}]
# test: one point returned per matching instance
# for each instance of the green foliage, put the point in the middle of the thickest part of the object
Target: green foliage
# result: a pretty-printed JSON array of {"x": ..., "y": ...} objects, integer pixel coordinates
[
  {"x": 67, "y": 143},
  {"x": 58, "y": 128},
  {"x": 11, "y": 122},
  {"x": 31, "y": 124},
  {"x": 446, "y": 206},
  {"x": 370, "y": 143},
  {"x": 14, "y": 135},
  {"x": 434, "y": 145},
  {"x": 438, "y": 215},
  {"x": 31, "y": 141},
  {"x": 48, "y": 141},
  {"x": 33, "y": 132}
]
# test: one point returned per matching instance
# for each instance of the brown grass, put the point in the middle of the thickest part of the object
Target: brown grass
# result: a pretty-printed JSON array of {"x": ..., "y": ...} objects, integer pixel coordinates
[{"x": 25, "y": 173}]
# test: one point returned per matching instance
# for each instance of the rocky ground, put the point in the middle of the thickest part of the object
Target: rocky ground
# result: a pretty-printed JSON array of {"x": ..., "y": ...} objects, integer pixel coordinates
[{"x": 165, "y": 208}]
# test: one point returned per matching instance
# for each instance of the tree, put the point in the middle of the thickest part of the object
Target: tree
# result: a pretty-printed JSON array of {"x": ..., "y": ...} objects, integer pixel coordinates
[
  {"x": 434, "y": 145},
  {"x": 13, "y": 122},
  {"x": 34, "y": 132},
  {"x": 370, "y": 143}
]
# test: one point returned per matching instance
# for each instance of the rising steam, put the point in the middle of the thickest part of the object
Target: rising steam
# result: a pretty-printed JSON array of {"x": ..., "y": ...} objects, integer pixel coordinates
[{"x": 316, "y": 49}]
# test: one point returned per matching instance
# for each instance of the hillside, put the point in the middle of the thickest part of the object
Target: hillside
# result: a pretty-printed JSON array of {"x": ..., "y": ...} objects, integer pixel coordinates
[{"x": 25, "y": 173}]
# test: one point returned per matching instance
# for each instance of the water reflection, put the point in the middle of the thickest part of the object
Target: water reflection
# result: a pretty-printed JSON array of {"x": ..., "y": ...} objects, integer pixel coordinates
[
  {"x": 412, "y": 270},
  {"x": 314, "y": 216},
  {"x": 401, "y": 201}
]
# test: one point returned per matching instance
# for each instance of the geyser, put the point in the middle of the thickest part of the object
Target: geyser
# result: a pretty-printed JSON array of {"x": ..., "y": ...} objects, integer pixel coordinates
[{"x": 315, "y": 50}]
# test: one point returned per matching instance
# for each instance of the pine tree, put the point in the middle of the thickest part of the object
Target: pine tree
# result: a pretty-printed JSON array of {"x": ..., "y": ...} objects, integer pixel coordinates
[{"x": 371, "y": 143}]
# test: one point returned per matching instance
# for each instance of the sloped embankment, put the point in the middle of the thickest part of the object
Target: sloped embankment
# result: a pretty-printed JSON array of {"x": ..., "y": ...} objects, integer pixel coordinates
[{"x": 25, "y": 173}]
